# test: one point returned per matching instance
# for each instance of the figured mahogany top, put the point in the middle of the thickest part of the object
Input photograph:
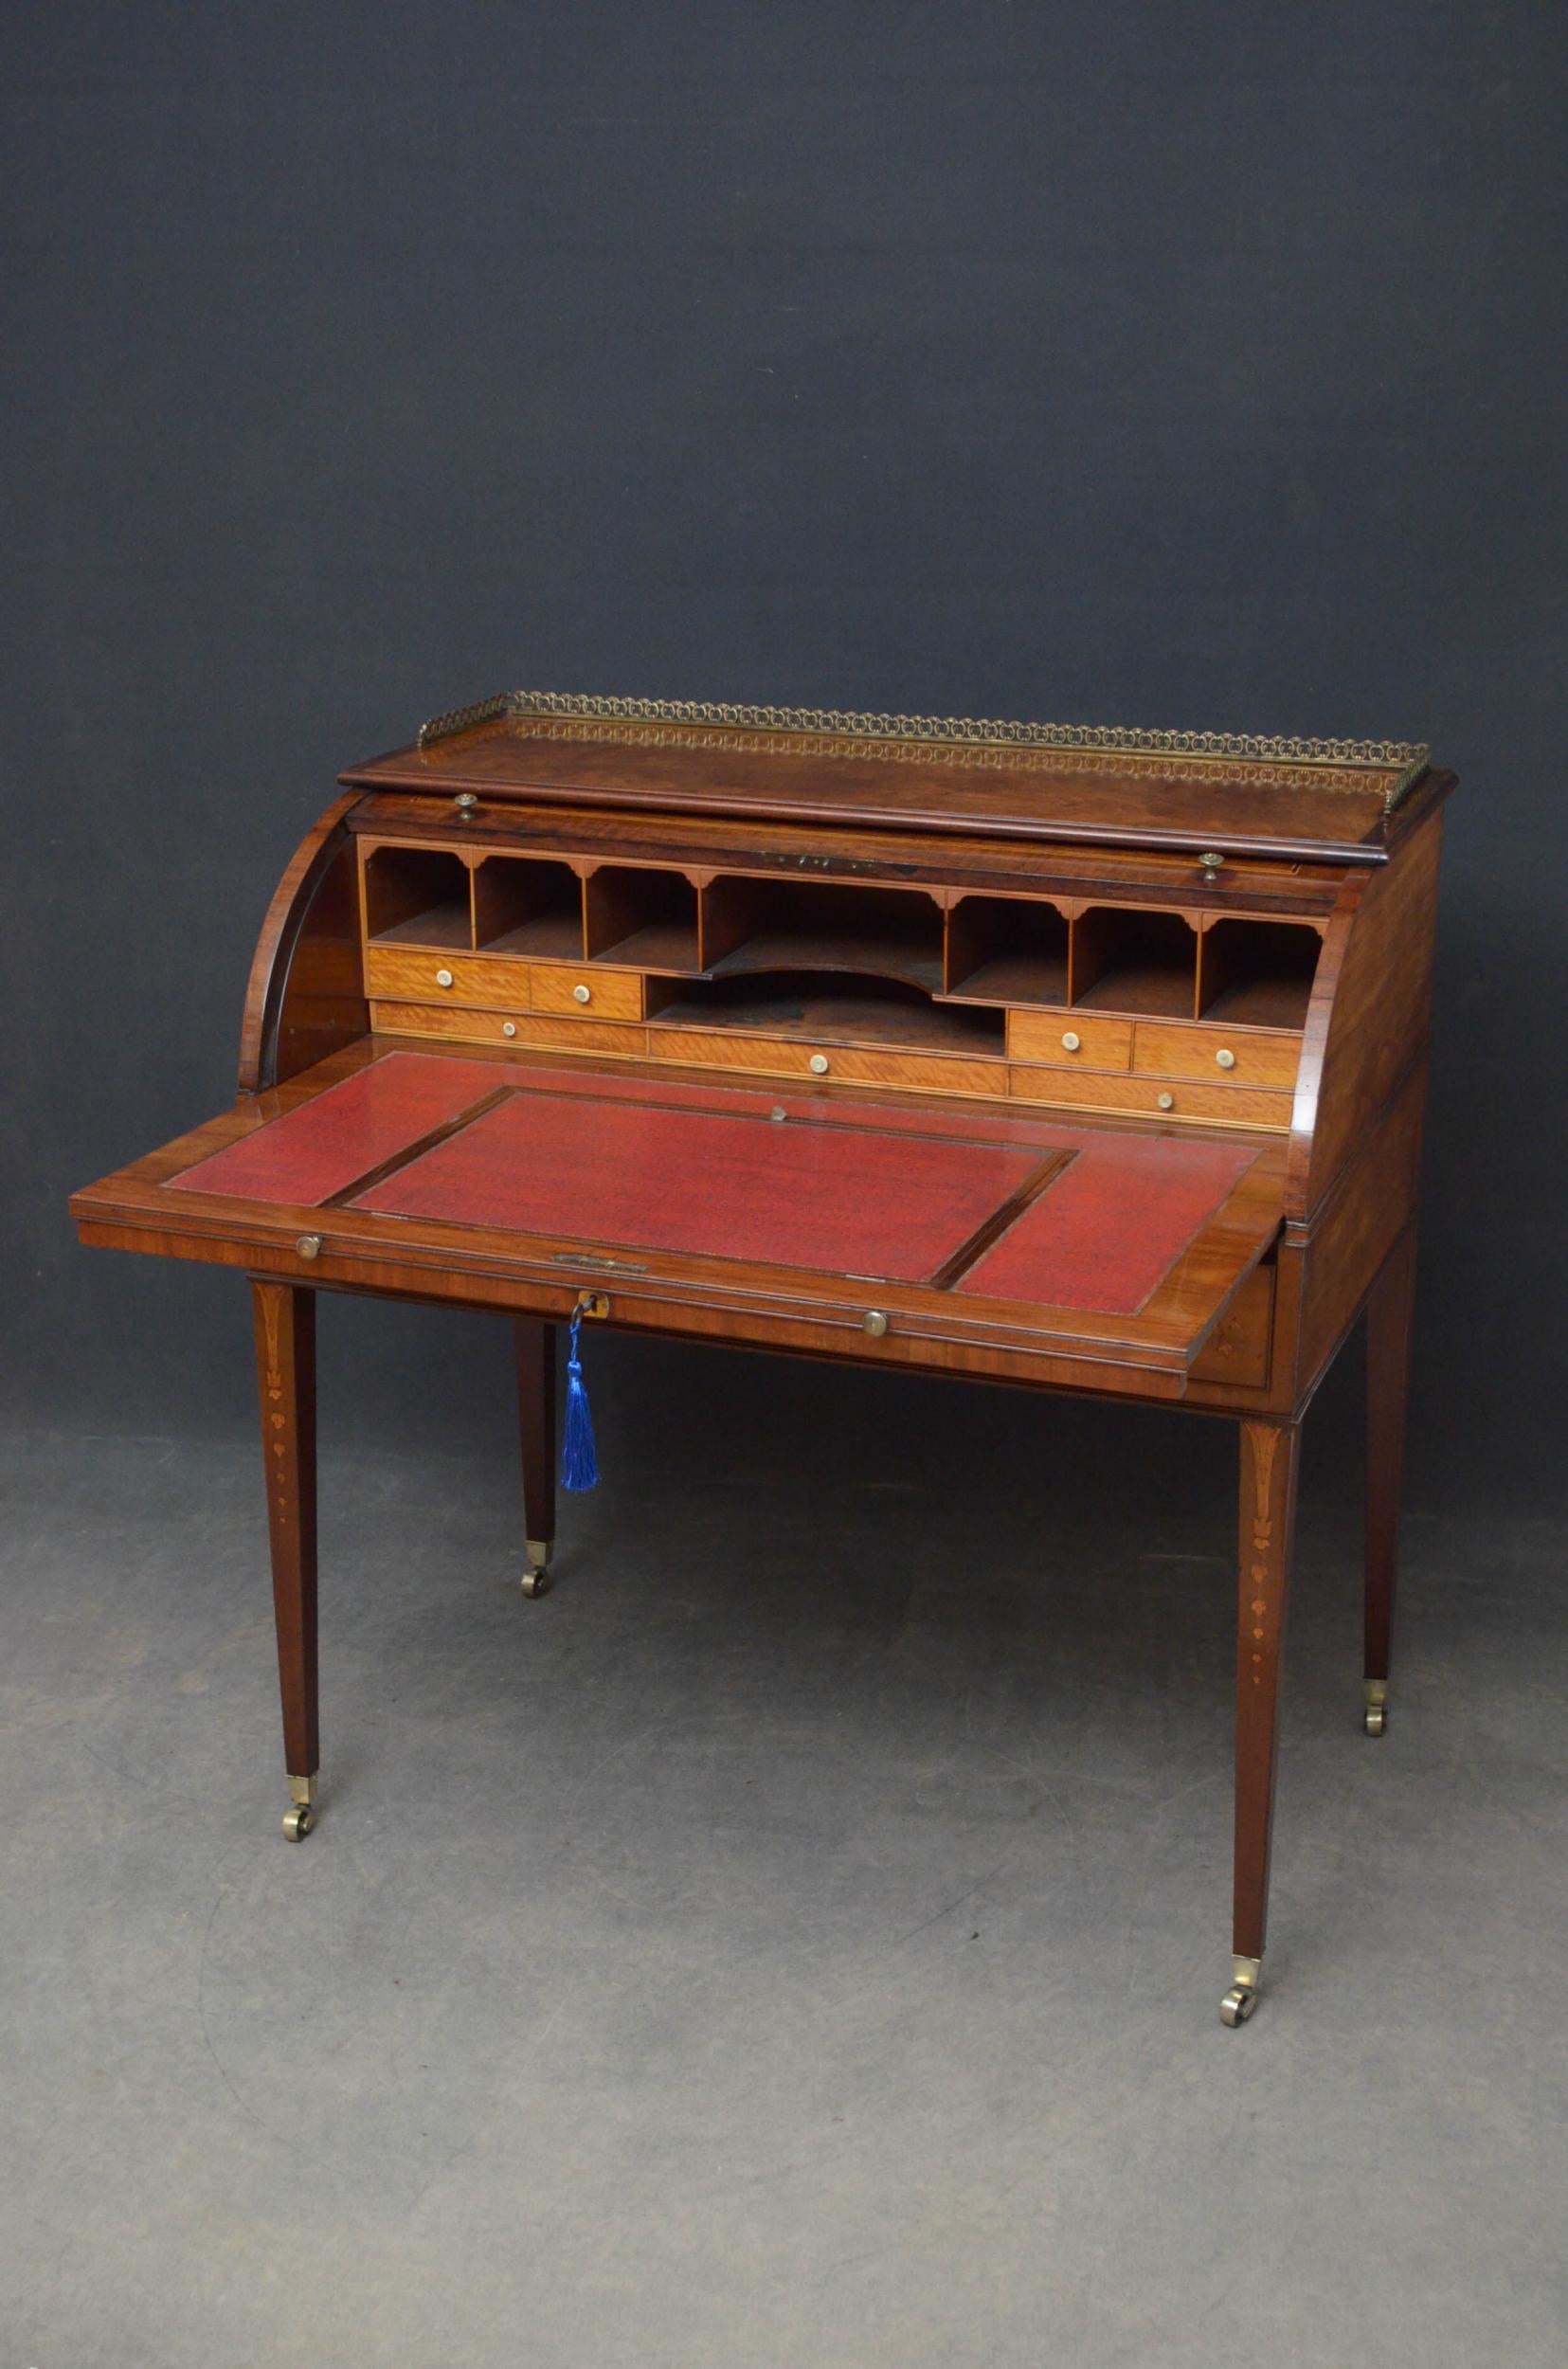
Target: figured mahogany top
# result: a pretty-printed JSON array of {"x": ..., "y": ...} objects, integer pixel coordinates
[{"x": 1330, "y": 808}]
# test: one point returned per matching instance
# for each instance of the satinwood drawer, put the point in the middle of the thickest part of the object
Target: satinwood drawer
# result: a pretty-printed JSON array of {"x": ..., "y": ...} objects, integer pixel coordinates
[
  {"x": 601, "y": 994},
  {"x": 453, "y": 978},
  {"x": 1238, "y": 1106},
  {"x": 1075, "y": 1038},
  {"x": 1159, "y": 1051},
  {"x": 932, "y": 1073},
  {"x": 786, "y": 1057},
  {"x": 457, "y": 1023}
]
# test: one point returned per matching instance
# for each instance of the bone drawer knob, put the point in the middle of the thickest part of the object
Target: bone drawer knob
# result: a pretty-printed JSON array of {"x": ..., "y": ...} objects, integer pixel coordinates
[
  {"x": 443, "y": 978},
  {"x": 582, "y": 995},
  {"x": 1225, "y": 1058},
  {"x": 509, "y": 1028},
  {"x": 1166, "y": 1102},
  {"x": 1071, "y": 1041},
  {"x": 818, "y": 1065}
]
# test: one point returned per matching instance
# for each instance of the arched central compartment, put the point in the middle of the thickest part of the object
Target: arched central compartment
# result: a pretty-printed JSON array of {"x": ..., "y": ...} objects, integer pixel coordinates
[
  {"x": 774, "y": 925},
  {"x": 834, "y": 1006}
]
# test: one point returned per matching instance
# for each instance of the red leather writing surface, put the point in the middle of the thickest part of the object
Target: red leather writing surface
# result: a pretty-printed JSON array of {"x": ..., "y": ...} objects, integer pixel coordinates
[
  {"x": 842, "y": 1199},
  {"x": 852, "y": 1188},
  {"x": 346, "y": 1132},
  {"x": 1105, "y": 1230}
]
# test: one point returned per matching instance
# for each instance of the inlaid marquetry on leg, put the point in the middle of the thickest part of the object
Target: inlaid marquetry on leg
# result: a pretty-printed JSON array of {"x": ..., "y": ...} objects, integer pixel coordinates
[
  {"x": 536, "y": 1343},
  {"x": 1269, "y": 1454},
  {"x": 285, "y": 1364},
  {"x": 1389, "y": 1310}
]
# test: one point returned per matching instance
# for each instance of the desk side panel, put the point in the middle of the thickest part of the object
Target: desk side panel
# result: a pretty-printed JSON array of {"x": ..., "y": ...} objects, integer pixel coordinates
[
  {"x": 1370, "y": 1013},
  {"x": 1355, "y": 1230}
]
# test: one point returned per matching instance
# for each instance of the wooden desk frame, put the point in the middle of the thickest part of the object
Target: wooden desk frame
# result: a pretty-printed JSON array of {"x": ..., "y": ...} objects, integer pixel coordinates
[{"x": 611, "y": 896}]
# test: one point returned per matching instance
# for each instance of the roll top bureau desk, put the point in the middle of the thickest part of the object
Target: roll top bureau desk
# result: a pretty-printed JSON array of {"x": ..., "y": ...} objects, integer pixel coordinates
[{"x": 1088, "y": 1062}]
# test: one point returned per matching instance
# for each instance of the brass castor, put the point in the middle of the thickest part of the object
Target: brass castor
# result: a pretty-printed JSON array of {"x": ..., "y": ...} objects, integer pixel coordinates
[
  {"x": 537, "y": 1580},
  {"x": 298, "y": 1820},
  {"x": 1240, "y": 2000},
  {"x": 1375, "y": 1718}
]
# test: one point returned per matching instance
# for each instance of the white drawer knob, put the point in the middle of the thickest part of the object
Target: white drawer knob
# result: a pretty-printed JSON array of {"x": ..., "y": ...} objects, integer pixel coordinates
[
  {"x": 1166, "y": 1102},
  {"x": 1071, "y": 1041},
  {"x": 582, "y": 995},
  {"x": 1225, "y": 1058},
  {"x": 818, "y": 1065},
  {"x": 509, "y": 1028},
  {"x": 443, "y": 978}
]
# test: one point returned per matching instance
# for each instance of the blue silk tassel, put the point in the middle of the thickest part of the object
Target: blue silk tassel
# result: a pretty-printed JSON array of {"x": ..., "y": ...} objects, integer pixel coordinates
[{"x": 579, "y": 1463}]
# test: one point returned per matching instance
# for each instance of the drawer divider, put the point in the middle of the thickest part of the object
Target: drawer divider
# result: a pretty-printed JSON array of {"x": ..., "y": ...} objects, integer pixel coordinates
[
  {"x": 416, "y": 1147},
  {"x": 1006, "y": 1214}
]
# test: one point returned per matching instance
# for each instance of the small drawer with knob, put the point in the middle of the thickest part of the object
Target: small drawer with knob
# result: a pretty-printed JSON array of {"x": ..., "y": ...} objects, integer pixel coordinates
[
  {"x": 1077, "y": 1040},
  {"x": 834, "y": 1064},
  {"x": 1215, "y": 1056},
  {"x": 582, "y": 991},
  {"x": 471, "y": 979},
  {"x": 1100, "y": 1090},
  {"x": 460, "y": 1024}
]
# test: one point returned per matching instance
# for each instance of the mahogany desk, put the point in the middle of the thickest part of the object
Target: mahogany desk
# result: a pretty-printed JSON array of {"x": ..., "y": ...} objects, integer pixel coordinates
[{"x": 1088, "y": 1062}]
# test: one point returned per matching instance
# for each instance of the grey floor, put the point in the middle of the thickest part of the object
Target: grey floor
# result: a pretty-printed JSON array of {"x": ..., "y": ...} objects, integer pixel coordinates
[{"x": 797, "y": 1941}]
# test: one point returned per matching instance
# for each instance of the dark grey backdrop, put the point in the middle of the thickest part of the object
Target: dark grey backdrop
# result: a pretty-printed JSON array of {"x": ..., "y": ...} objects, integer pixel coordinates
[{"x": 1149, "y": 364}]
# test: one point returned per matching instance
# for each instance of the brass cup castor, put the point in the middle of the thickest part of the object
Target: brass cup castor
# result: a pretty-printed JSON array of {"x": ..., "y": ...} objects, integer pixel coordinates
[
  {"x": 1240, "y": 2000},
  {"x": 1375, "y": 1718},
  {"x": 537, "y": 1580},
  {"x": 300, "y": 1818}
]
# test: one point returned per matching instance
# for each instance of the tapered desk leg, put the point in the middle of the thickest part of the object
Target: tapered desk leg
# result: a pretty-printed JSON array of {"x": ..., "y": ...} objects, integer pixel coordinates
[
  {"x": 1389, "y": 1310},
  {"x": 1269, "y": 1454},
  {"x": 285, "y": 1364},
  {"x": 536, "y": 1342}
]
